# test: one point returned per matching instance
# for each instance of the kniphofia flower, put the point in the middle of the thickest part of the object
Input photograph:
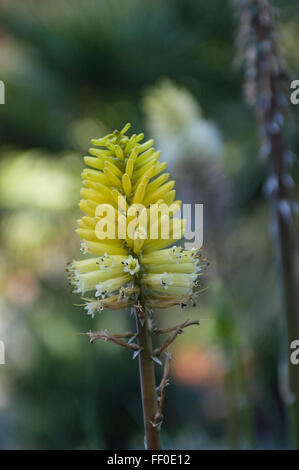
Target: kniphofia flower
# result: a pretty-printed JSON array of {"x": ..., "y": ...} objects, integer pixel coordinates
[
  {"x": 131, "y": 236},
  {"x": 131, "y": 244}
]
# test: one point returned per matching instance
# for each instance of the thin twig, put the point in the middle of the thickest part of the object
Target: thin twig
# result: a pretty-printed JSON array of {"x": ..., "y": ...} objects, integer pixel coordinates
[
  {"x": 176, "y": 331},
  {"x": 127, "y": 334},
  {"x": 163, "y": 384},
  {"x": 116, "y": 339},
  {"x": 161, "y": 331},
  {"x": 161, "y": 389}
]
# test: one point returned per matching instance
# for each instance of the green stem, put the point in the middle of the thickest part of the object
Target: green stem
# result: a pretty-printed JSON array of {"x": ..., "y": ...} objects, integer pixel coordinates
[{"x": 148, "y": 383}]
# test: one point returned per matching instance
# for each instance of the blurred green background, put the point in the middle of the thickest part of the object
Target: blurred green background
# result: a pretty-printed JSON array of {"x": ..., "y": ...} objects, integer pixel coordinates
[{"x": 74, "y": 70}]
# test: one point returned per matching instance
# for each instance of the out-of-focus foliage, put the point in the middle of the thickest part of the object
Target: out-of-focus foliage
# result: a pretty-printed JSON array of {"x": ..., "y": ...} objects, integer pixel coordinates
[
  {"x": 73, "y": 70},
  {"x": 174, "y": 119}
]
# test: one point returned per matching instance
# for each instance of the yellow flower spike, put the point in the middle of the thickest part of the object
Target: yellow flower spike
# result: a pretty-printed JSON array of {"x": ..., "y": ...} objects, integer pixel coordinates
[
  {"x": 124, "y": 179},
  {"x": 173, "y": 255},
  {"x": 160, "y": 166},
  {"x": 119, "y": 152},
  {"x": 138, "y": 174},
  {"x": 131, "y": 265},
  {"x": 140, "y": 233},
  {"x": 93, "y": 175},
  {"x": 87, "y": 234},
  {"x": 127, "y": 185},
  {"x": 110, "y": 146},
  {"x": 186, "y": 268},
  {"x": 129, "y": 230},
  {"x": 113, "y": 168},
  {"x": 174, "y": 235},
  {"x": 85, "y": 265},
  {"x": 120, "y": 200},
  {"x": 111, "y": 285},
  {"x": 129, "y": 167},
  {"x": 92, "y": 195},
  {"x": 125, "y": 128},
  {"x": 104, "y": 191},
  {"x": 170, "y": 197},
  {"x": 131, "y": 143},
  {"x": 138, "y": 244},
  {"x": 112, "y": 248},
  {"x": 102, "y": 142},
  {"x": 101, "y": 154},
  {"x": 143, "y": 219},
  {"x": 81, "y": 223},
  {"x": 133, "y": 154},
  {"x": 113, "y": 179},
  {"x": 140, "y": 137},
  {"x": 157, "y": 182},
  {"x": 130, "y": 243},
  {"x": 139, "y": 193},
  {"x": 94, "y": 185},
  {"x": 94, "y": 162},
  {"x": 146, "y": 145},
  {"x": 148, "y": 163},
  {"x": 105, "y": 230},
  {"x": 159, "y": 193},
  {"x": 145, "y": 177},
  {"x": 106, "y": 213},
  {"x": 145, "y": 157},
  {"x": 88, "y": 207}
]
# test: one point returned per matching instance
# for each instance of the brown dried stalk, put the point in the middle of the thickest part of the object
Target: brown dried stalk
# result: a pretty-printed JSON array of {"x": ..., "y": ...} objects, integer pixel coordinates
[{"x": 266, "y": 75}]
